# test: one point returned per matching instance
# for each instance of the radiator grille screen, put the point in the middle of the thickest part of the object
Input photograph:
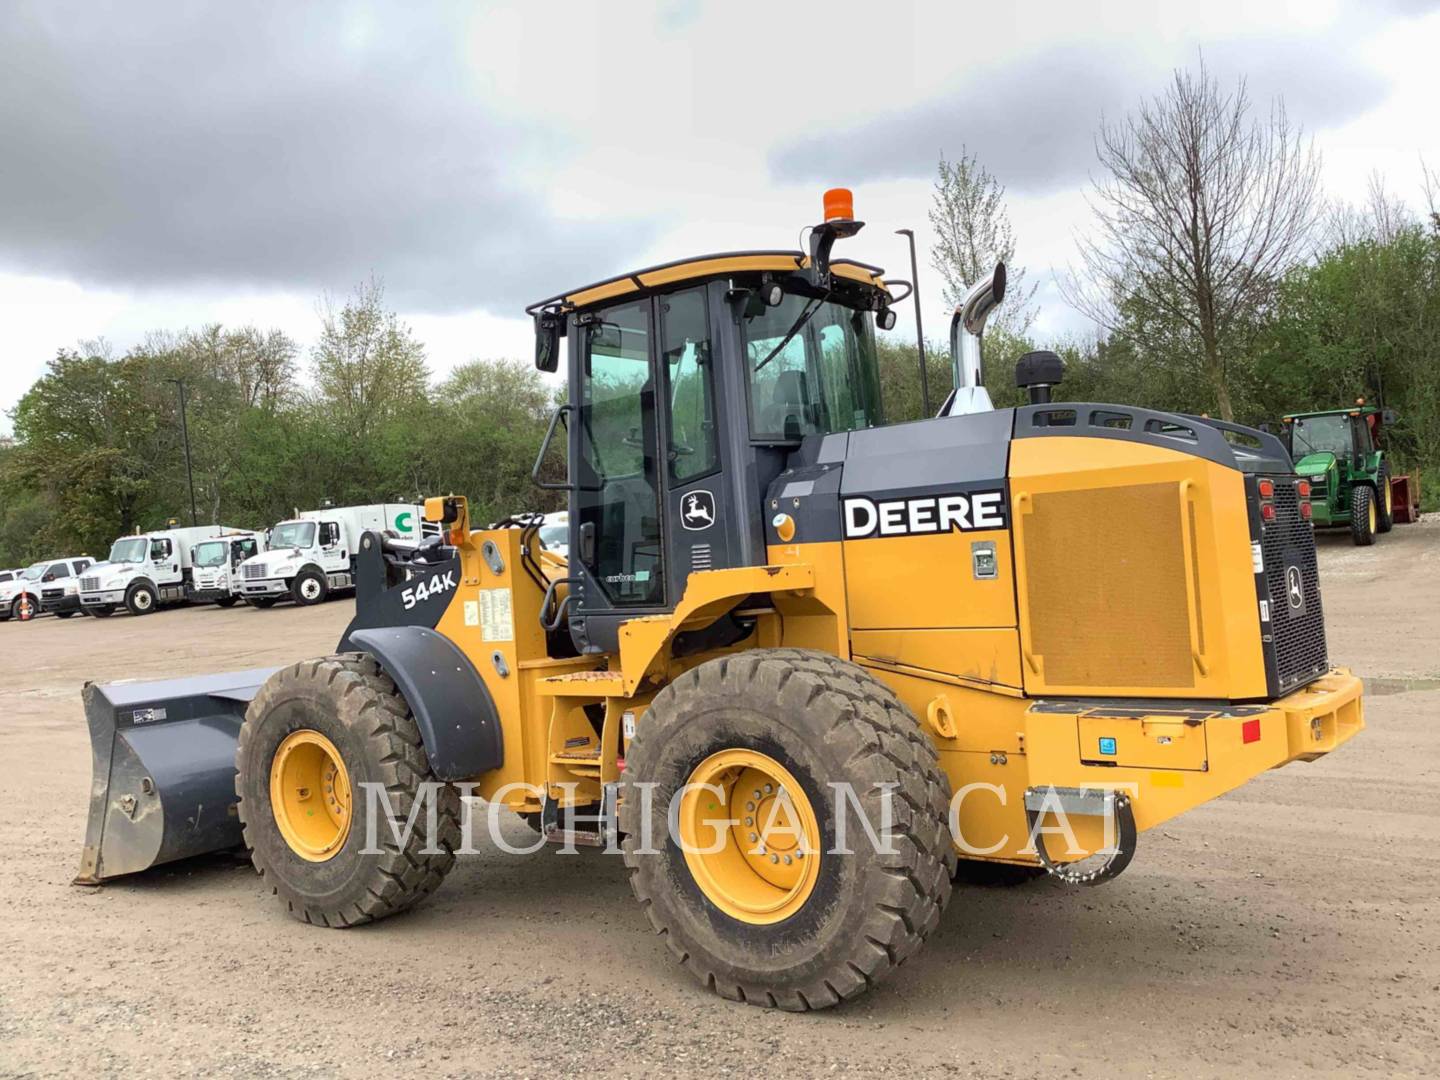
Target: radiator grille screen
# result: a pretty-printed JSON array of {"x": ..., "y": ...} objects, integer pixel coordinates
[
  {"x": 1105, "y": 580},
  {"x": 1297, "y": 629}
]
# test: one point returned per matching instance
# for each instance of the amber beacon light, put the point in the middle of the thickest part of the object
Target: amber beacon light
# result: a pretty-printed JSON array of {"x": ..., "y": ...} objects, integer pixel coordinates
[{"x": 839, "y": 204}]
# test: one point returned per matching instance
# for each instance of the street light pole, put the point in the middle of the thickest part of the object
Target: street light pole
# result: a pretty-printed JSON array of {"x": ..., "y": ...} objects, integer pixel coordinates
[
  {"x": 185, "y": 433},
  {"x": 909, "y": 234}
]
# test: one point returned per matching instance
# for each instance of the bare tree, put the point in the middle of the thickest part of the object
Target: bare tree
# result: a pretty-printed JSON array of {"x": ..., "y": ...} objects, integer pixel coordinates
[
  {"x": 972, "y": 234},
  {"x": 1202, "y": 210}
]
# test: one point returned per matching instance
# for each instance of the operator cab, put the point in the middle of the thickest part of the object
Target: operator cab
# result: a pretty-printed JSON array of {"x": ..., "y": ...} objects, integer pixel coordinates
[{"x": 692, "y": 385}]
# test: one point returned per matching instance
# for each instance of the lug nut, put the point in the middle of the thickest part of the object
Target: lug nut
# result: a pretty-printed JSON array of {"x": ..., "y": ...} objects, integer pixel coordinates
[{"x": 774, "y": 858}]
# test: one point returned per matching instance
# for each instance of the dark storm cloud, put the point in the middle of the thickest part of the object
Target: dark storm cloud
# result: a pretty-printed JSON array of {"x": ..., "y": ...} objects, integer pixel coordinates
[
  {"x": 1033, "y": 122},
  {"x": 285, "y": 145}
]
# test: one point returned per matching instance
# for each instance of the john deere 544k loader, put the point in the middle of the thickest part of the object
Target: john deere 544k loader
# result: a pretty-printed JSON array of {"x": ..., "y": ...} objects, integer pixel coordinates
[{"x": 787, "y": 616}]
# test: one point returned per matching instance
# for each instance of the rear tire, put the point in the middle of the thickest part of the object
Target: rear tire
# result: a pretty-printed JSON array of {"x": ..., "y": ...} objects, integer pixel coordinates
[
  {"x": 141, "y": 599},
  {"x": 309, "y": 587},
  {"x": 1385, "y": 498},
  {"x": 226, "y": 601},
  {"x": 350, "y": 702},
  {"x": 103, "y": 611},
  {"x": 1363, "y": 515},
  {"x": 820, "y": 720},
  {"x": 63, "y": 614}
]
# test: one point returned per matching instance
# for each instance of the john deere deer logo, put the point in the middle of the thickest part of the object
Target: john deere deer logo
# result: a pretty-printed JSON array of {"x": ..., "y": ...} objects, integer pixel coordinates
[
  {"x": 697, "y": 510},
  {"x": 1294, "y": 590}
]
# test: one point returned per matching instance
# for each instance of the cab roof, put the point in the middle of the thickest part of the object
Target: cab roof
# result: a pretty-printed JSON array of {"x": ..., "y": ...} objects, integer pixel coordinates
[
  {"x": 700, "y": 267},
  {"x": 1363, "y": 410}
]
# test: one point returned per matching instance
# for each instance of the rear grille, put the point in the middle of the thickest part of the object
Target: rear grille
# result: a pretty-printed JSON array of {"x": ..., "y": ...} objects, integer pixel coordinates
[
  {"x": 1297, "y": 629},
  {"x": 89, "y": 584},
  {"x": 254, "y": 571}
]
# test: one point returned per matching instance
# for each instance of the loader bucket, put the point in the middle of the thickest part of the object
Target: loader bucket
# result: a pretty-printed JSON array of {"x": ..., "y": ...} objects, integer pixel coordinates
[{"x": 164, "y": 770}]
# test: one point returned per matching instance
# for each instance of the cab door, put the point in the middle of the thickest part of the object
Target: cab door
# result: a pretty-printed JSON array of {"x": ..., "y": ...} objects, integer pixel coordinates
[{"x": 616, "y": 549}]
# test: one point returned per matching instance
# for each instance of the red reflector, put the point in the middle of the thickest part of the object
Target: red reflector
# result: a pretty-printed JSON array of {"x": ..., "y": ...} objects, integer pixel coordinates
[
  {"x": 1306, "y": 511},
  {"x": 1267, "y": 488},
  {"x": 1250, "y": 730},
  {"x": 1303, "y": 489},
  {"x": 1267, "y": 512}
]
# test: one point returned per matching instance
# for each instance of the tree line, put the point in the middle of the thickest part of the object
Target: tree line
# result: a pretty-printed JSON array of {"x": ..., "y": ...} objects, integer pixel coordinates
[
  {"x": 1218, "y": 278},
  {"x": 99, "y": 451}
]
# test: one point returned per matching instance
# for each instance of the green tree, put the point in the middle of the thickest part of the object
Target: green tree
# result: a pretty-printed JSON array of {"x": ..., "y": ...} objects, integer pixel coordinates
[{"x": 367, "y": 365}]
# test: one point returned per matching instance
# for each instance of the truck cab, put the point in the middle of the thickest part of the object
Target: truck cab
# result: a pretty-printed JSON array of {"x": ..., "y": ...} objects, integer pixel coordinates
[
  {"x": 215, "y": 576},
  {"x": 144, "y": 572},
  {"x": 311, "y": 555}
]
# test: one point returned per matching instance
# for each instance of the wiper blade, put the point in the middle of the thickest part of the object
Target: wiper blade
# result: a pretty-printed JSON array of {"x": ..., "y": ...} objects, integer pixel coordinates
[{"x": 804, "y": 318}]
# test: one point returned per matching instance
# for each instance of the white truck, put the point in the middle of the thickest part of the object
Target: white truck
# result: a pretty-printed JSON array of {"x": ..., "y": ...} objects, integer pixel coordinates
[
  {"x": 48, "y": 586},
  {"x": 313, "y": 554},
  {"x": 145, "y": 571},
  {"x": 215, "y": 577}
]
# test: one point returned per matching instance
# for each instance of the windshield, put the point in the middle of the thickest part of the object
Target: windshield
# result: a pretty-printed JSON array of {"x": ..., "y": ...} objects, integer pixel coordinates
[
  {"x": 130, "y": 549},
  {"x": 211, "y": 553},
  {"x": 1321, "y": 435},
  {"x": 554, "y": 536},
  {"x": 299, "y": 534},
  {"x": 32, "y": 573},
  {"x": 824, "y": 379}
]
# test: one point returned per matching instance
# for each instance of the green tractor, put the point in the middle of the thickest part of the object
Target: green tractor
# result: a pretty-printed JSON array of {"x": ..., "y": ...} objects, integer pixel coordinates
[{"x": 1340, "y": 453}]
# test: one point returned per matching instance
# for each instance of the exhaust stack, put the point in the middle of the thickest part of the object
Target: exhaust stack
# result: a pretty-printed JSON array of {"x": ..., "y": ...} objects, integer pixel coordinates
[{"x": 967, "y": 329}]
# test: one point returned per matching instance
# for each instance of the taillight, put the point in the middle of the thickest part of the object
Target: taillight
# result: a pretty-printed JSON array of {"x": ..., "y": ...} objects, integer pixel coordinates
[
  {"x": 1303, "y": 490},
  {"x": 1267, "y": 489},
  {"x": 1267, "y": 512},
  {"x": 1305, "y": 510}
]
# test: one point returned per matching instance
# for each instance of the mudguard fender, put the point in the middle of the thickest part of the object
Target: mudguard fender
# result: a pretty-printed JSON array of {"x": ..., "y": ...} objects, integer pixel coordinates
[{"x": 455, "y": 712}]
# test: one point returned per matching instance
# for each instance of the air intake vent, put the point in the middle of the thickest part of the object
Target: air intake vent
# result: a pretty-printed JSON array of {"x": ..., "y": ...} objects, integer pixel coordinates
[
  {"x": 255, "y": 571},
  {"x": 89, "y": 584},
  {"x": 1105, "y": 584}
]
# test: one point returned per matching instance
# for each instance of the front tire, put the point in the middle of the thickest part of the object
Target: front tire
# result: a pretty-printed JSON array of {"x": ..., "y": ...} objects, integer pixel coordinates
[
  {"x": 761, "y": 924},
  {"x": 101, "y": 611},
  {"x": 226, "y": 601},
  {"x": 1364, "y": 518},
  {"x": 141, "y": 599},
  {"x": 309, "y": 587},
  {"x": 63, "y": 614},
  {"x": 261, "y": 602},
  {"x": 314, "y": 735}
]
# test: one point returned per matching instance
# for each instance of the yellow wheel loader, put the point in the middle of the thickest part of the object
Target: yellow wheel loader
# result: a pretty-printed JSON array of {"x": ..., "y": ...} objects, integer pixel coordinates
[{"x": 801, "y": 669}]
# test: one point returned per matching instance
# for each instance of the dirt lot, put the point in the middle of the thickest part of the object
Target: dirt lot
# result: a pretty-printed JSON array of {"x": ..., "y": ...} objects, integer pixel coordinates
[{"x": 1288, "y": 928}]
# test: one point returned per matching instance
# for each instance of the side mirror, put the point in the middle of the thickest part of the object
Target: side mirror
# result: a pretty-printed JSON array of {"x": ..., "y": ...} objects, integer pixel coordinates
[
  {"x": 49, "y": 576},
  {"x": 549, "y": 329}
]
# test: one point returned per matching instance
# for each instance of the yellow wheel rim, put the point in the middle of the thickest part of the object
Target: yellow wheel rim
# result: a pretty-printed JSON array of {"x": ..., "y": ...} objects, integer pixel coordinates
[
  {"x": 1389, "y": 500},
  {"x": 750, "y": 836},
  {"x": 1372, "y": 517},
  {"x": 310, "y": 795}
]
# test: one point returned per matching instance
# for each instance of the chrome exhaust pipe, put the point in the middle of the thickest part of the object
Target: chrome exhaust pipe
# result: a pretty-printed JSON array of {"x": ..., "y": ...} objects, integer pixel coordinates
[{"x": 967, "y": 330}]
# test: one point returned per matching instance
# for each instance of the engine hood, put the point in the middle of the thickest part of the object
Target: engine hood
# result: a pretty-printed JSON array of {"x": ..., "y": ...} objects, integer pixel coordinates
[{"x": 1314, "y": 464}]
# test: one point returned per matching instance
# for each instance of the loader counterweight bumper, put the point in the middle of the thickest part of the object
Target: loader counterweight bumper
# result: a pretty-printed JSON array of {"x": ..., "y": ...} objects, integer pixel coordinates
[{"x": 164, "y": 770}]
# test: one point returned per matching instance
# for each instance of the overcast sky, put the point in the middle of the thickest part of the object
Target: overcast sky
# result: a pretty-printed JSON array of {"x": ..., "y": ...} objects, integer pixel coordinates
[{"x": 169, "y": 165}]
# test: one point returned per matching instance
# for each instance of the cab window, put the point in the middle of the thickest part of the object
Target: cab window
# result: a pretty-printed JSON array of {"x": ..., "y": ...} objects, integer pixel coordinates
[
  {"x": 57, "y": 571},
  {"x": 812, "y": 369},
  {"x": 160, "y": 549},
  {"x": 693, "y": 447}
]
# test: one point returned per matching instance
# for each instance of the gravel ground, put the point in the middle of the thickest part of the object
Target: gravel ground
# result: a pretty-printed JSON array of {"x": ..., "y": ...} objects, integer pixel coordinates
[{"x": 1287, "y": 928}]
